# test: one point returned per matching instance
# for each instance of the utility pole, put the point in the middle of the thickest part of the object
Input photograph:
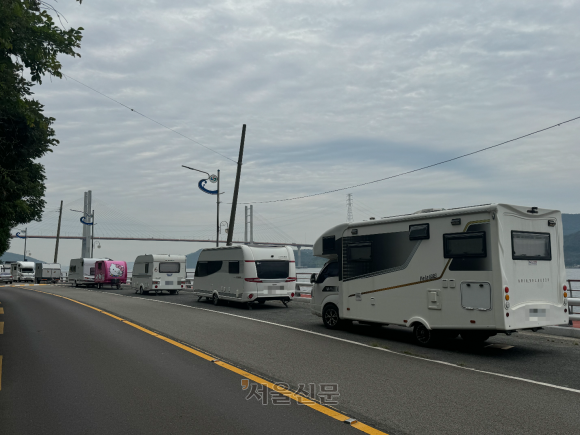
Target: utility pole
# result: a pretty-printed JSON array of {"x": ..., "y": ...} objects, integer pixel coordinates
[
  {"x": 251, "y": 224},
  {"x": 25, "y": 238},
  {"x": 236, "y": 188},
  {"x": 217, "y": 234},
  {"x": 93, "y": 232},
  {"x": 246, "y": 224},
  {"x": 58, "y": 234},
  {"x": 349, "y": 216}
]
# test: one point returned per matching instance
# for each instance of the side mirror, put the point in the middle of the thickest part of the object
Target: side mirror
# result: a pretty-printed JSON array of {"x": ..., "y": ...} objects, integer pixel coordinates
[{"x": 312, "y": 278}]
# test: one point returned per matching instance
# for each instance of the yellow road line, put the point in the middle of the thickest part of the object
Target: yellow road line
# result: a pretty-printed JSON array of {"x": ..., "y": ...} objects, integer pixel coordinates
[
  {"x": 0, "y": 372},
  {"x": 1, "y": 310},
  {"x": 1, "y": 327},
  {"x": 277, "y": 388}
]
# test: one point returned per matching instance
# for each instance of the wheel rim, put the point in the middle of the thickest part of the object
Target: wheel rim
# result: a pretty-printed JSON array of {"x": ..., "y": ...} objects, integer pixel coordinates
[
  {"x": 423, "y": 334},
  {"x": 331, "y": 317}
]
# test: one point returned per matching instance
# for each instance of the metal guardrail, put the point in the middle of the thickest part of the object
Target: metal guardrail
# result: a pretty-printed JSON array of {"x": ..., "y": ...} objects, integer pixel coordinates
[{"x": 574, "y": 299}]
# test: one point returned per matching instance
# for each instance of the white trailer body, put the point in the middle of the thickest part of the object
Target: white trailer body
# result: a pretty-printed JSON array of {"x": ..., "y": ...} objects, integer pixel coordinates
[
  {"x": 47, "y": 272},
  {"x": 22, "y": 271},
  {"x": 82, "y": 271},
  {"x": 246, "y": 274},
  {"x": 479, "y": 270},
  {"x": 158, "y": 273}
]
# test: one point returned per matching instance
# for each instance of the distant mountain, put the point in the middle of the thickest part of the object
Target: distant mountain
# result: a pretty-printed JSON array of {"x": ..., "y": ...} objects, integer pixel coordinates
[
  {"x": 10, "y": 256},
  {"x": 570, "y": 223},
  {"x": 572, "y": 249}
]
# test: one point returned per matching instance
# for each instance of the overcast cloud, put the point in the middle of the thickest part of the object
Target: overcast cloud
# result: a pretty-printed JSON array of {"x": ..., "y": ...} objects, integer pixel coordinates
[{"x": 334, "y": 93}]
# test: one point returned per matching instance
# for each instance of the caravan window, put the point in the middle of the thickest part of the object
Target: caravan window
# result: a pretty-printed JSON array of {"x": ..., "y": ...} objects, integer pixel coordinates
[
  {"x": 464, "y": 245},
  {"x": 531, "y": 246},
  {"x": 207, "y": 268},
  {"x": 146, "y": 267},
  {"x": 27, "y": 270},
  {"x": 73, "y": 269},
  {"x": 169, "y": 267},
  {"x": 419, "y": 232},
  {"x": 359, "y": 252},
  {"x": 273, "y": 269},
  {"x": 234, "y": 267},
  {"x": 92, "y": 271}
]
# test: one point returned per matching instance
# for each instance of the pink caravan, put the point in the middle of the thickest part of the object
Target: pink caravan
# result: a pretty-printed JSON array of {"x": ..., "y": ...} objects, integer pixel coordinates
[{"x": 110, "y": 272}]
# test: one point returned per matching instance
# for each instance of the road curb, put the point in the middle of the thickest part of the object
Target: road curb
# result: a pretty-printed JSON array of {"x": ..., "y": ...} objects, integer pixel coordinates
[{"x": 562, "y": 331}]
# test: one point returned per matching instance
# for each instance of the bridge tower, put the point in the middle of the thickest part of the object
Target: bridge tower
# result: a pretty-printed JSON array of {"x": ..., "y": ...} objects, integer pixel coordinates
[{"x": 349, "y": 216}]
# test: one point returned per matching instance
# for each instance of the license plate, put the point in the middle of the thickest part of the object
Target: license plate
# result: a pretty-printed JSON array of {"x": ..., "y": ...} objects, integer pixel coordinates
[{"x": 168, "y": 282}]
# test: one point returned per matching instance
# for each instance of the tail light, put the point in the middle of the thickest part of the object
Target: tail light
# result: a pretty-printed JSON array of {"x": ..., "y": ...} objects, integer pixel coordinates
[
  {"x": 507, "y": 290},
  {"x": 155, "y": 286},
  {"x": 565, "y": 288},
  {"x": 253, "y": 280},
  {"x": 291, "y": 279},
  {"x": 250, "y": 296},
  {"x": 291, "y": 295},
  {"x": 181, "y": 286}
]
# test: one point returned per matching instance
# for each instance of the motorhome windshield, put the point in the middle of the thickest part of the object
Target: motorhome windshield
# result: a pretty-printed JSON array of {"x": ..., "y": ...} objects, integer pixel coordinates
[
  {"x": 169, "y": 267},
  {"x": 273, "y": 269},
  {"x": 531, "y": 246}
]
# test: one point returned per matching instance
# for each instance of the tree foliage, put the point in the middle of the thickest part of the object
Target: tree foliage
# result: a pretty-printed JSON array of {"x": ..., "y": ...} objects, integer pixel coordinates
[{"x": 30, "y": 42}]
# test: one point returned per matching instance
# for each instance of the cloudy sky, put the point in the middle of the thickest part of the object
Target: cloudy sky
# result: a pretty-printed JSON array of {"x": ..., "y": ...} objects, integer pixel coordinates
[{"x": 334, "y": 93}]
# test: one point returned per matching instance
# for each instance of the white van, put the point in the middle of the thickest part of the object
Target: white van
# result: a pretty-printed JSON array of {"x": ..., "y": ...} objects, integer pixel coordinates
[
  {"x": 475, "y": 271},
  {"x": 82, "y": 271},
  {"x": 158, "y": 273},
  {"x": 22, "y": 271},
  {"x": 47, "y": 272},
  {"x": 246, "y": 274}
]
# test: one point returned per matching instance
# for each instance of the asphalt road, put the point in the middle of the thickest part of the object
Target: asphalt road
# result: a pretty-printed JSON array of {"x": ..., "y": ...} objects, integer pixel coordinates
[
  {"x": 380, "y": 379},
  {"x": 533, "y": 355},
  {"x": 69, "y": 369}
]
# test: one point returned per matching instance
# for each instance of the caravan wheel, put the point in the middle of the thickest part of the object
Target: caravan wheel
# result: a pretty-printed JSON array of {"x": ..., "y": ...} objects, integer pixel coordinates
[
  {"x": 216, "y": 299},
  {"x": 422, "y": 335},
  {"x": 330, "y": 316}
]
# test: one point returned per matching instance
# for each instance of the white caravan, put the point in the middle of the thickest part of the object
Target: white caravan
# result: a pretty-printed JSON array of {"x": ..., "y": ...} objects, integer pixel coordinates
[
  {"x": 475, "y": 271},
  {"x": 158, "y": 273},
  {"x": 47, "y": 272},
  {"x": 246, "y": 274},
  {"x": 22, "y": 271},
  {"x": 82, "y": 271}
]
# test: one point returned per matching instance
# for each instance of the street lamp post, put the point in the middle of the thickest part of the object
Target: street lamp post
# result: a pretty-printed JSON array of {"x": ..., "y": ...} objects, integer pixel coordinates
[
  {"x": 25, "y": 238},
  {"x": 201, "y": 185}
]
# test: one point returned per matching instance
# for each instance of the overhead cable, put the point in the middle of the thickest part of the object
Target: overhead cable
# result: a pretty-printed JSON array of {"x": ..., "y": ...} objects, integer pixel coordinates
[
  {"x": 151, "y": 119},
  {"x": 414, "y": 170}
]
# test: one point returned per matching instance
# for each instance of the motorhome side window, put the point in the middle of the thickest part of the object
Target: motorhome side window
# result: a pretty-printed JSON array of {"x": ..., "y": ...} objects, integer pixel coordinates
[
  {"x": 419, "y": 232},
  {"x": 464, "y": 245},
  {"x": 73, "y": 269},
  {"x": 531, "y": 246},
  {"x": 169, "y": 267},
  {"x": 331, "y": 270},
  {"x": 359, "y": 252},
  {"x": 206, "y": 268},
  {"x": 146, "y": 267},
  {"x": 328, "y": 245},
  {"x": 234, "y": 267}
]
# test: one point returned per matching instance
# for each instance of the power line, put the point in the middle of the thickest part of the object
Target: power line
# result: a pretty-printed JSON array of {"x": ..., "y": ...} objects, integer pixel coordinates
[
  {"x": 415, "y": 170},
  {"x": 151, "y": 119}
]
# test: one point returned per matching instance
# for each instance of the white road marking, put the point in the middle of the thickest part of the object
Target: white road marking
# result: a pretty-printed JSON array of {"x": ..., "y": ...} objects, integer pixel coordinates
[{"x": 530, "y": 381}]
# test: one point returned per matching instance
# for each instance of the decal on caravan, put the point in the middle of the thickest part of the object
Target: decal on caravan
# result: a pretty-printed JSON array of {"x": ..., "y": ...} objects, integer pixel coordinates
[{"x": 475, "y": 271}]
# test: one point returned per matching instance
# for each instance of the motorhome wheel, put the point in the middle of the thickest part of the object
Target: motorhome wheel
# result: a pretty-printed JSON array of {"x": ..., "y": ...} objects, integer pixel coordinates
[
  {"x": 76, "y": 283},
  {"x": 216, "y": 299},
  {"x": 118, "y": 286},
  {"x": 261, "y": 301},
  {"x": 330, "y": 316},
  {"x": 172, "y": 292},
  {"x": 422, "y": 335}
]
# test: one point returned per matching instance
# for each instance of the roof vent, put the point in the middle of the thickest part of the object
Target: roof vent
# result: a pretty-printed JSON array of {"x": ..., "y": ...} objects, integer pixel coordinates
[
  {"x": 429, "y": 210},
  {"x": 533, "y": 210}
]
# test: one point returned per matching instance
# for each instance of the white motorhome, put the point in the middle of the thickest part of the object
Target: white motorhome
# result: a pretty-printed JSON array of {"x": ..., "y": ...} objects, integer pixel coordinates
[
  {"x": 475, "y": 271},
  {"x": 47, "y": 272},
  {"x": 22, "y": 271},
  {"x": 158, "y": 273},
  {"x": 246, "y": 274},
  {"x": 82, "y": 271}
]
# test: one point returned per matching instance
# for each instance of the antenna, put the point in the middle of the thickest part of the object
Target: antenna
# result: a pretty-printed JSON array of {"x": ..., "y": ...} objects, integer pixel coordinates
[{"x": 349, "y": 217}]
